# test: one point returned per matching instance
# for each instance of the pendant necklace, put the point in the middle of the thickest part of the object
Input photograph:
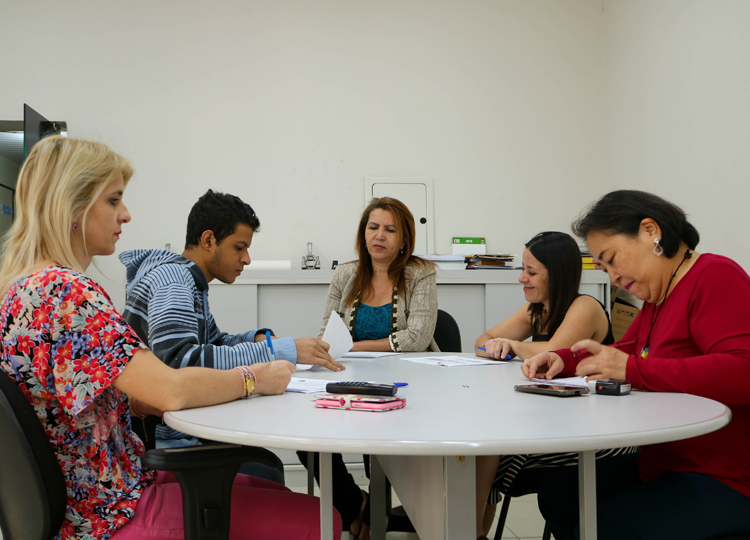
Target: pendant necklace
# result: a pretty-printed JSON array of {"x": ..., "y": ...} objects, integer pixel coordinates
[{"x": 657, "y": 309}]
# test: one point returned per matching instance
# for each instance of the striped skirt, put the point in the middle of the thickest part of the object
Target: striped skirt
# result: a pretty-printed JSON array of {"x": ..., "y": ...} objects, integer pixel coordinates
[{"x": 511, "y": 466}]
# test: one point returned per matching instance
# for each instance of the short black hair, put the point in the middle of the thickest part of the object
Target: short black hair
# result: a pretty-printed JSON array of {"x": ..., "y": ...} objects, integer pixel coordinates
[
  {"x": 560, "y": 254},
  {"x": 621, "y": 212},
  {"x": 219, "y": 213}
]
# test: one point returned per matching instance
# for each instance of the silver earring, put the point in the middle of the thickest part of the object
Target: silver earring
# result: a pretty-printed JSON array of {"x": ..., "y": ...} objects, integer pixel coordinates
[
  {"x": 658, "y": 250},
  {"x": 401, "y": 251},
  {"x": 75, "y": 226}
]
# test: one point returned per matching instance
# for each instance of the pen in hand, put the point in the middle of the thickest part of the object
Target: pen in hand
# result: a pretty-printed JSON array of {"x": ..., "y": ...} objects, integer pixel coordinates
[
  {"x": 507, "y": 357},
  {"x": 270, "y": 345}
]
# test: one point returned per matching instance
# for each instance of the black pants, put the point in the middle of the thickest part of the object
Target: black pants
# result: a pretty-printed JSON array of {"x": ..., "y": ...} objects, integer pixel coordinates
[
  {"x": 684, "y": 506},
  {"x": 347, "y": 496}
]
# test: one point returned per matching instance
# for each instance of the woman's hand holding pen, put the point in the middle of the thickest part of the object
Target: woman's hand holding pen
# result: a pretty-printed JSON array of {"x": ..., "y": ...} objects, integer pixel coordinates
[
  {"x": 544, "y": 365},
  {"x": 498, "y": 348},
  {"x": 604, "y": 363},
  {"x": 272, "y": 378}
]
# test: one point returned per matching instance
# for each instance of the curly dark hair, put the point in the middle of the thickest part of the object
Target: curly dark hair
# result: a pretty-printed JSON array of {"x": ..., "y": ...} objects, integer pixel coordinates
[{"x": 219, "y": 213}]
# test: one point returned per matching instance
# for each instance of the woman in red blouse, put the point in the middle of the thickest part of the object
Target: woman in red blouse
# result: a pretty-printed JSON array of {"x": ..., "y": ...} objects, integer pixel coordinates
[
  {"x": 692, "y": 336},
  {"x": 84, "y": 369}
]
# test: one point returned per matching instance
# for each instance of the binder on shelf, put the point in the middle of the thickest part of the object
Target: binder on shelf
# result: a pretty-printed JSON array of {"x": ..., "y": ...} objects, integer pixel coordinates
[{"x": 498, "y": 261}]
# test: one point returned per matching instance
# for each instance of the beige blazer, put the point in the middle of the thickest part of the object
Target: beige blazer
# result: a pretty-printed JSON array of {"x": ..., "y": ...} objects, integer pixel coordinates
[{"x": 415, "y": 314}]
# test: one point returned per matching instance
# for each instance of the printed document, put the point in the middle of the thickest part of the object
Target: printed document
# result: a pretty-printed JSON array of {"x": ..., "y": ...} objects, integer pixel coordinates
[
  {"x": 337, "y": 336},
  {"x": 453, "y": 361}
]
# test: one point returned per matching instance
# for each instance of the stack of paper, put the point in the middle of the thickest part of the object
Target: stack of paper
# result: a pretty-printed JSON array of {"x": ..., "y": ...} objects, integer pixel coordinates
[
  {"x": 307, "y": 386},
  {"x": 446, "y": 262}
]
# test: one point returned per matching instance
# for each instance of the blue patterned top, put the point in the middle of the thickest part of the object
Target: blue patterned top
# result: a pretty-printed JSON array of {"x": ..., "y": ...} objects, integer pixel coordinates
[{"x": 372, "y": 322}]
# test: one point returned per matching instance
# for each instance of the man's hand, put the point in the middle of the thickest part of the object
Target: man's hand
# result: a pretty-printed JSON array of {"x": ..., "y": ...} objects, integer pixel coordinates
[
  {"x": 314, "y": 351},
  {"x": 543, "y": 366},
  {"x": 272, "y": 378},
  {"x": 604, "y": 362}
]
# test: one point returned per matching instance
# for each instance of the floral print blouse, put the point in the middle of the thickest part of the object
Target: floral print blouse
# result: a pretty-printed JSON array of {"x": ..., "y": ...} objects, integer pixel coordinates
[{"x": 64, "y": 343}]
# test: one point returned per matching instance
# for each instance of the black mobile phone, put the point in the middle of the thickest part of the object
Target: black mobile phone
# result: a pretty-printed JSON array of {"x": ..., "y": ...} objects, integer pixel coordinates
[
  {"x": 372, "y": 389},
  {"x": 558, "y": 391}
]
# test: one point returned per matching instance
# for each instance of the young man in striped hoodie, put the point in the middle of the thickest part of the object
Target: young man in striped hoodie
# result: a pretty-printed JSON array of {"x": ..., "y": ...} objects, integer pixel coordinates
[{"x": 167, "y": 298}]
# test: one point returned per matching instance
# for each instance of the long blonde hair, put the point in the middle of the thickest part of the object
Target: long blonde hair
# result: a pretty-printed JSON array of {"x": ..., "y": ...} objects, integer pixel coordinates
[{"x": 58, "y": 183}]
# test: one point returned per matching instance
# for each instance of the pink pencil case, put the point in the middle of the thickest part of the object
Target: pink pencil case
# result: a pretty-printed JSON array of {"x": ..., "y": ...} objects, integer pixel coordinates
[{"x": 359, "y": 402}]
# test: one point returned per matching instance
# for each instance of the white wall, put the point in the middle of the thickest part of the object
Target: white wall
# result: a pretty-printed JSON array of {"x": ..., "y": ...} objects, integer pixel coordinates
[
  {"x": 677, "y": 111},
  {"x": 290, "y": 104}
]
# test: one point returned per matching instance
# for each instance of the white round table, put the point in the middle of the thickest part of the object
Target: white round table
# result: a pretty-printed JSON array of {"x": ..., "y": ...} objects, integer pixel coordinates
[{"x": 452, "y": 414}]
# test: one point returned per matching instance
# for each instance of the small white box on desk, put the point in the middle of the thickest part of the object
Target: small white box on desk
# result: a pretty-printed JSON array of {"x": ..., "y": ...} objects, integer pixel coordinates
[{"x": 469, "y": 245}]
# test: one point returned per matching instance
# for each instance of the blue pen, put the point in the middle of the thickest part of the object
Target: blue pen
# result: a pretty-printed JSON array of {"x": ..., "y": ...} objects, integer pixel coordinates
[
  {"x": 485, "y": 350},
  {"x": 270, "y": 345},
  {"x": 400, "y": 384}
]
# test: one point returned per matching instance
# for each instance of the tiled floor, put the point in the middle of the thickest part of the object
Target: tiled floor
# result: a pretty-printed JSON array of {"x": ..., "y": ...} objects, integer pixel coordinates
[{"x": 524, "y": 521}]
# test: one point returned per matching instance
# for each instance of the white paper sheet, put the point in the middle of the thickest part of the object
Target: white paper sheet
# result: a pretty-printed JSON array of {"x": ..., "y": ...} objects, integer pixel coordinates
[
  {"x": 368, "y": 354},
  {"x": 579, "y": 382},
  {"x": 307, "y": 386},
  {"x": 453, "y": 361},
  {"x": 337, "y": 336}
]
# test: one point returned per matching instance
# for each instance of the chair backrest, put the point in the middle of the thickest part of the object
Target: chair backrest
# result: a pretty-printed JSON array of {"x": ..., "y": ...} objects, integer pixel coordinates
[
  {"x": 447, "y": 335},
  {"x": 32, "y": 487}
]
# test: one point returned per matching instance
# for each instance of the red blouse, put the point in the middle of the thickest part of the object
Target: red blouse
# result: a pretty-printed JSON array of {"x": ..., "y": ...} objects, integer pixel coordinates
[{"x": 700, "y": 345}]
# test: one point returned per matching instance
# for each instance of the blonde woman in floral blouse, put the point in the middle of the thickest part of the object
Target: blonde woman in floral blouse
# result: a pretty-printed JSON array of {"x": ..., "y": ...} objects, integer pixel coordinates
[{"x": 78, "y": 362}]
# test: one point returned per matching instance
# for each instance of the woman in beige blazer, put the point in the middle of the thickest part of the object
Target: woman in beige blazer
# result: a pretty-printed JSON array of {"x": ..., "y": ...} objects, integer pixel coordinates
[{"x": 388, "y": 300}]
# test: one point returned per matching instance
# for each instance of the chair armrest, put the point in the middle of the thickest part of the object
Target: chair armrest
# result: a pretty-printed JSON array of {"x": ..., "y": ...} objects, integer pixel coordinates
[{"x": 207, "y": 456}]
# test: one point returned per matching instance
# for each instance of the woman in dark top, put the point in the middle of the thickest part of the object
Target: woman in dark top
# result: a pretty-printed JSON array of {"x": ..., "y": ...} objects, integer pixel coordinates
[
  {"x": 555, "y": 316},
  {"x": 555, "y": 312}
]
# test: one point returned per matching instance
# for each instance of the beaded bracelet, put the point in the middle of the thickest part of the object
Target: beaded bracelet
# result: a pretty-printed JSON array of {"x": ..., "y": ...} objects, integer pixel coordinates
[
  {"x": 242, "y": 382},
  {"x": 248, "y": 375}
]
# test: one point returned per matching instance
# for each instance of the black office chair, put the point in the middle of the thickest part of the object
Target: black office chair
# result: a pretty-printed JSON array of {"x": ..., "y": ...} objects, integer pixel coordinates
[
  {"x": 527, "y": 482},
  {"x": 32, "y": 487},
  {"x": 145, "y": 428},
  {"x": 448, "y": 337},
  {"x": 447, "y": 334}
]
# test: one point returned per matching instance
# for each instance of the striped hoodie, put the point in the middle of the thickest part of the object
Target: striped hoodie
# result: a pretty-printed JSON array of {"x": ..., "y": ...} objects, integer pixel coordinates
[{"x": 167, "y": 306}]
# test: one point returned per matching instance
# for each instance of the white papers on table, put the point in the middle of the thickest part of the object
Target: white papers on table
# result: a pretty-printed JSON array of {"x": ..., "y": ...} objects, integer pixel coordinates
[
  {"x": 453, "y": 361},
  {"x": 579, "y": 382},
  {"x": 337, "y": 336},
  {"x": 307, "y": 386},
  {"x": 368, "y": 354}
]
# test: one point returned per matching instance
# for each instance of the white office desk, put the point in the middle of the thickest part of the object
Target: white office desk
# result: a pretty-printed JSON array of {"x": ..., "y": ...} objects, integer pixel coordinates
[
  {"x": 292, "y": 301},
  {"x": 427, "y": 449}
]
